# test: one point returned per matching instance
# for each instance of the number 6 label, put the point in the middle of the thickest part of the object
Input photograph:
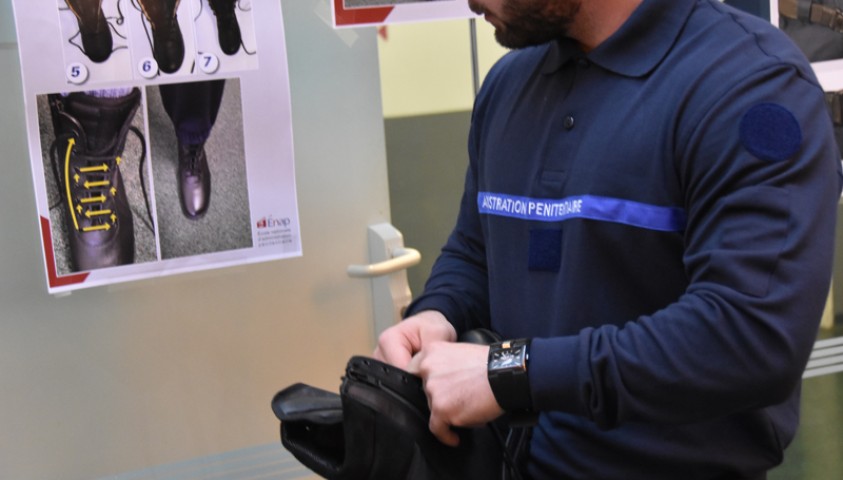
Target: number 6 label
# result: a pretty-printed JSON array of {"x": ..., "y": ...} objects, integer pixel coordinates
[{"x": 148, "y": 67}]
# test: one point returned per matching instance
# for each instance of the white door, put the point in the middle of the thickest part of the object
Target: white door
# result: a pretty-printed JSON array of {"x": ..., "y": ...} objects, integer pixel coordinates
[{"x": 173, "y": 377}]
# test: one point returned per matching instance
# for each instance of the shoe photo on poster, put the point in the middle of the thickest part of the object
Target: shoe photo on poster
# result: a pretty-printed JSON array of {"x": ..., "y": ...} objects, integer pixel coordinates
[
  {"x": 95, "y": 173},
  {"x": 382, "y": 3},
  {"x": 199, "y": 167},
  {"x": 94, "y": 41},
  {"x": 161, "y": 38},
  {"x": 818, "y": 32},
  {"x": 225, "y": 35}
]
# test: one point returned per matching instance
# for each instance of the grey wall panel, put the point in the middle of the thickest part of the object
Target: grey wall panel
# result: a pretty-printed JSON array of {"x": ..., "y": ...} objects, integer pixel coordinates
[{"x": 427, "y": 161}]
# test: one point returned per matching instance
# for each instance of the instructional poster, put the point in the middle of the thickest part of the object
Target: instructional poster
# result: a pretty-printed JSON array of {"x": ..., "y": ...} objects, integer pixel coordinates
[
  {"x": 356, "y": 13},
  {"x": 160, "y": 136}
]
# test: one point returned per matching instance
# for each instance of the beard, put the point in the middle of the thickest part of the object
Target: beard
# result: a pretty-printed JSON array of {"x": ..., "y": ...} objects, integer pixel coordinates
[{"x": 526, "y": 23}]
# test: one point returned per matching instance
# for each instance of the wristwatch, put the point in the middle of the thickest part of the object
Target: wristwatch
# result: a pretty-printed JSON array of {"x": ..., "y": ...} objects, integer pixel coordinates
[{"x": 507, "y": 371}]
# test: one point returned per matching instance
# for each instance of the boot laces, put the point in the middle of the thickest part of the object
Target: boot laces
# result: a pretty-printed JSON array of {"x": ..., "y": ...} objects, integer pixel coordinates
[
  {"x": 97, "y": 170},
  {"x": 193, "y": 154},
  {"x": 86, "y": 183}
]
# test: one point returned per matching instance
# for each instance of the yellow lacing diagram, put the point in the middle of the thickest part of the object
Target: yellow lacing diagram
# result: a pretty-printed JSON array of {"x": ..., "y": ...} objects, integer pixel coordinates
[{"x": 89, "y": 207}]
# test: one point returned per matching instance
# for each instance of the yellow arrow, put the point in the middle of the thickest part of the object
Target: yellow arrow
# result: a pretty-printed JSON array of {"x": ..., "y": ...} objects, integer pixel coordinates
[
  {"x": 113, "y": 191},
  {"x": 119, "y": 160},
  {"x": 98, "y": 199},
  {"x": 76, "y": 178},
  {"x": 98, "y": 168},
  {"x": 79, "y": 208},
  {"x": 113, "y": 218},
  {"x": 70, "y": 144},
  {"x": 104, "y": 226},
  {"x": 95, "y": 213},
  {"x": 102, "y": 183}
]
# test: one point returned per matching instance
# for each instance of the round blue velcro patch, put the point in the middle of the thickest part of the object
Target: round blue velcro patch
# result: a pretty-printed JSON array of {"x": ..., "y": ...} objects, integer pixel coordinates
[{"x": 770, "y": 132}]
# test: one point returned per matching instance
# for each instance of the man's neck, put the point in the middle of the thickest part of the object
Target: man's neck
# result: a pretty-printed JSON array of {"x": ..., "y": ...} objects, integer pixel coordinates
[{"x": 597, "y": 20}]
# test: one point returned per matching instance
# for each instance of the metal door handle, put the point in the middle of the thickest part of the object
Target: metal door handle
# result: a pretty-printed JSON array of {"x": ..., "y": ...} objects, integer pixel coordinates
[{"x": 402, "y": 258}]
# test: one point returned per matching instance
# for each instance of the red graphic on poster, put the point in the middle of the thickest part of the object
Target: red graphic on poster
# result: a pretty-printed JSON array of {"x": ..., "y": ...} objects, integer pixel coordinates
[{"x": 358, "y": 16}]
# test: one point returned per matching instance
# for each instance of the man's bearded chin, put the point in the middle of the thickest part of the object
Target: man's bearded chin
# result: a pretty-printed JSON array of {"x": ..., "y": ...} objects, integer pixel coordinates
[
  {"x": 527, "y": 25},
  {"x": 515, "y": 36}
]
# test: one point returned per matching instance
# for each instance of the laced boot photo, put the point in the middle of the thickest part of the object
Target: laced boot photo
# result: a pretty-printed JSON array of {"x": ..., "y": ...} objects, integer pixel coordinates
[
  {"x": 90, "y": 135},
  {"x": 194, "y": 180},
  {"x": 167, "y": 40},
  {"x": 228, "y": 30},
  {"x": 93, "y": 28}
]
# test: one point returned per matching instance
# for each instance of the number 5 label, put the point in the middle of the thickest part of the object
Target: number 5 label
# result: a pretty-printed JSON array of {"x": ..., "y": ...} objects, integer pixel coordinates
[{"x": 76, "y": 73}]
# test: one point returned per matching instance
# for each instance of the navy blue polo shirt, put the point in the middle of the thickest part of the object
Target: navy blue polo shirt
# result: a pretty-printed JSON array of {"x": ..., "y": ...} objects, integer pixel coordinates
[{"x": 657, "y": 214}]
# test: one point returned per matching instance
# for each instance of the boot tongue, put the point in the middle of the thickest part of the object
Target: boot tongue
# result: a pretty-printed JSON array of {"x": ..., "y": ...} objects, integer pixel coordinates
[{"x": 102, "y": 119}]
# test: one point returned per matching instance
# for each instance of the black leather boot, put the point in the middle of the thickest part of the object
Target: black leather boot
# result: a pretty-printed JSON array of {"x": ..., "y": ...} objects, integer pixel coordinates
[
  {"x": 194, "y": 180},
  {"x": 167, "y": 41},
  {"x": 93, "y": 28},
  {"x": 90, "y": 137},
  {"x": 228, "y": 30}
]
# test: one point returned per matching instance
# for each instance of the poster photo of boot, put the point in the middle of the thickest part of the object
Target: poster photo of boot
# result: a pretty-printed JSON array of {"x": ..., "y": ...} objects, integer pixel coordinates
[
  {"x": 161, "y": 38},
  {"x": 94, "y": 41},
  {"x": 225, "y": 35},
  {"x": 817, "y": 29},
  {"x": 199, "y": 167},
  {"x": 93, "y": 149},
  {"x": 358, "y": 13},
  {"x": 380, "y": 3}
]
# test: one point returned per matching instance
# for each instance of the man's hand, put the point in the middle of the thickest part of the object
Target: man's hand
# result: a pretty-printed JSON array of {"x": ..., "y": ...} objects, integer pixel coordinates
[
  {"x": 457, "y": 387},
  {"x": 398, "y": 344}
]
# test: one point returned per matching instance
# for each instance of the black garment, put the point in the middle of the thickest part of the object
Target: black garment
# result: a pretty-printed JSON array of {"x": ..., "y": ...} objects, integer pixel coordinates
[{"x": 193, "y": 108}]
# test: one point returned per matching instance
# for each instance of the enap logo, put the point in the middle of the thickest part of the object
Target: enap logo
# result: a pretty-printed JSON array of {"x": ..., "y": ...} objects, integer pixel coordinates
[{"x": 272, "y": 222}]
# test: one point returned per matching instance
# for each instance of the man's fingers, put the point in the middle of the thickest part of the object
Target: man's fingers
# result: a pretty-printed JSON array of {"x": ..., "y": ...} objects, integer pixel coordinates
[
  {"x": 414, "y": 365},
  {"x": 443, "y": 432},
  {"x": 397, "y": 357}
]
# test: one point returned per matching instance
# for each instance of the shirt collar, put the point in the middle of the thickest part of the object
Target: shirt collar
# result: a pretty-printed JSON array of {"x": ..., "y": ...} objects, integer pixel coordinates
[{"x": 637, "y": 47}]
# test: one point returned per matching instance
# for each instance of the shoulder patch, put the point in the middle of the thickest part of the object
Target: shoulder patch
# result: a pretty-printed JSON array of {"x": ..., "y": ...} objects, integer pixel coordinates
[{"x": 770, "y": 132}]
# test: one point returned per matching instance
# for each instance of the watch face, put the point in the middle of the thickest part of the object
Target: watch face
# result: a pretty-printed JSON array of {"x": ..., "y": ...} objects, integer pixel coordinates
[{"x": 508, "y": 359}]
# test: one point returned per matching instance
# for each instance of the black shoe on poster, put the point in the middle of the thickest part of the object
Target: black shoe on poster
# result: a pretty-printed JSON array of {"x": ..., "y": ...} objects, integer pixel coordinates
[
  {"x": 87, "y": 152},
  {"x": 167, "y": 40},
  {"x": 194, "y": 180},
  {"x": 228, "y": 29},
  {"x": 97, "y": 42}
]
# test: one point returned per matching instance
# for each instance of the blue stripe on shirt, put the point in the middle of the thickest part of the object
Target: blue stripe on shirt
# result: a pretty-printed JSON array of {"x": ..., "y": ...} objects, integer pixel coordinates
[{"x": 627, "y": 212}]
